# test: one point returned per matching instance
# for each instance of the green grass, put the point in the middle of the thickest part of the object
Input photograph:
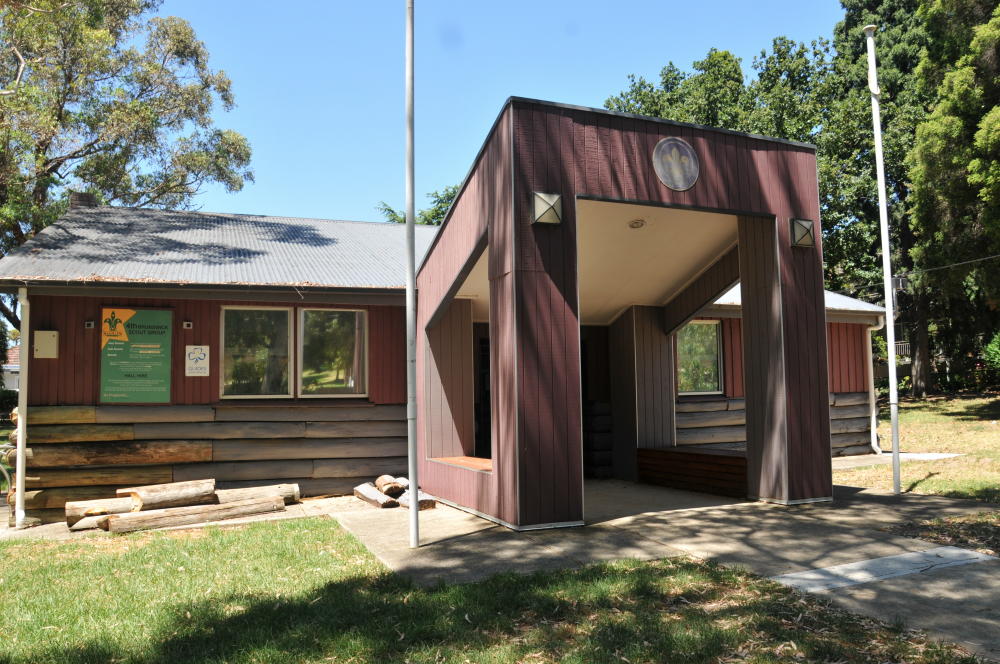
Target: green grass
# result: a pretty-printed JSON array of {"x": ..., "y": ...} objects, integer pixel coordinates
[
  {"x": 969, "y": 426},
  {"x": 305, "y": 591}
]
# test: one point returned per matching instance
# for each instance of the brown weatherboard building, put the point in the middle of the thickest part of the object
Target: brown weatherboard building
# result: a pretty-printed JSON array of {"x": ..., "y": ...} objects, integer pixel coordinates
[{"x": 576, "y": 316}]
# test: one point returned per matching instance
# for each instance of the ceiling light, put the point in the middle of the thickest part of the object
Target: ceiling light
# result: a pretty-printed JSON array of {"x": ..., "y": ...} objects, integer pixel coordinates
[{"x": 637, "y": 223}]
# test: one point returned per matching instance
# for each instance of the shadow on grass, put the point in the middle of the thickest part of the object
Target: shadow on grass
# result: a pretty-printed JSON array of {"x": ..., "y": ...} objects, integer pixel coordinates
[
  {"x": 972, "y": 412},
  {"x": 664, "y": 611},
  {"x": 915, "y": 483}
]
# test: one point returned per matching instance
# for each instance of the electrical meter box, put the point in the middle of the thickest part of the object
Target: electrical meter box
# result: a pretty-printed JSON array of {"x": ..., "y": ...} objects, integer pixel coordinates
[{"x": 46, "y": 344}]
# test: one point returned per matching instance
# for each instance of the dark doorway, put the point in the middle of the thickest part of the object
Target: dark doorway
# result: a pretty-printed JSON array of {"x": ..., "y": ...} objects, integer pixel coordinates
[{"x": 481, "y": 371}]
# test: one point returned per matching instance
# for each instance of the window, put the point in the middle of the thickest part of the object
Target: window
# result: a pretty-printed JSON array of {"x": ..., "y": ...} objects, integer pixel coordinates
[
  {"x": 256, "y": 347},
  {"x": 699, "y": 358},
  {"x": 332, "y": 357},
  {"x": 260, "y": 352}
]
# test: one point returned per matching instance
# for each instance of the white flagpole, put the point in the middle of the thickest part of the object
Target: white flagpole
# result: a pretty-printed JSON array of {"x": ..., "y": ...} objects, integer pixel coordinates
[
  {"x": 883, "y": 215},
  {"x": 411, "y": 298}
]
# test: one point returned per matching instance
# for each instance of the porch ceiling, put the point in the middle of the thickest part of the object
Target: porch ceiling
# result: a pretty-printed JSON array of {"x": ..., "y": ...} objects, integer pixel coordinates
[
  {"x": 620, "y": 266},
  {"x": 477, "y": 288}
]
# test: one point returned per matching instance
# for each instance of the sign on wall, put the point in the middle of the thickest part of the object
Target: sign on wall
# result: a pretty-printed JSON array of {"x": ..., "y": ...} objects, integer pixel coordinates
[
  {"x": 135, "y": 355},
  {"x": 196, "y": 360}
]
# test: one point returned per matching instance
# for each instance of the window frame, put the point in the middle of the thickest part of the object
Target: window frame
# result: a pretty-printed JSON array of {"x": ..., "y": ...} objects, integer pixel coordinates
[
  {"x": 299, "y": 348},
  {"x": 222, "y": 351},
  {"x": 718, "y": 353}
]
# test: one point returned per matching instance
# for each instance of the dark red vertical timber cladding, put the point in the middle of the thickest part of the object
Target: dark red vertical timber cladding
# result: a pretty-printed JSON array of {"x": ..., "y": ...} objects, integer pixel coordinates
[
  {"x": 449, "y": 376},
  {"x": 732, "y": 357},
  {"x": 715, "y": 281},
  {"x": 550, "y": 441},
  {"x": 621, "y": 353},
  {"x": 577, "y": 152},
  {"x": 654, "y": 380},
  {"x": 847, "y": 359},
  {"x": 74, "y": 377},
  {"x": 481, "y": 210},
  {"x": 387, "y": 354}
]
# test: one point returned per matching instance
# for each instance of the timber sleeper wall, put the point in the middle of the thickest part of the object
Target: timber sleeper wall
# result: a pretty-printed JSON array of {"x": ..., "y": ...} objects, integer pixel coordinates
[
  {"x": 86, "y": 452},
  {"x": 724, "y": 421}
]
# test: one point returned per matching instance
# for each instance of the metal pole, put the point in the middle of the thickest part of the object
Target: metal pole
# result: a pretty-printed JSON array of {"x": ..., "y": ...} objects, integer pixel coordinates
[
  {"x": 411, "y": 298},
  {"x": 883, "y": 216},
  {"x": 22, "y": 408}
]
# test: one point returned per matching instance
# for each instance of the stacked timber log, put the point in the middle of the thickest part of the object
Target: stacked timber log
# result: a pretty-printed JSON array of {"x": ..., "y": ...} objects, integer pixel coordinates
[
  {"x": 78, "y": 453},
  {"x": 176, "y": 504},
  {"x": 722, "y": 420},
  {"x": 388, "y": 491}
]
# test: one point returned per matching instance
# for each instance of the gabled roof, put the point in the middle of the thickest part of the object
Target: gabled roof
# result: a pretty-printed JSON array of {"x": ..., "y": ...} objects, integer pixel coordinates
[
  {"x": 835, "y": 302},
  {"x": 131, "y": 245}
]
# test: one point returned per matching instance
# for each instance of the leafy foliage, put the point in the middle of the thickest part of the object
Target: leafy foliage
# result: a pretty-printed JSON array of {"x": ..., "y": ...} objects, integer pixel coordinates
[
  {"x": 992, "y": 352},
  {"x": 98, "y": 95},
  {"x": 955, "y": 170},
  {"x": 433, "y": 216}
]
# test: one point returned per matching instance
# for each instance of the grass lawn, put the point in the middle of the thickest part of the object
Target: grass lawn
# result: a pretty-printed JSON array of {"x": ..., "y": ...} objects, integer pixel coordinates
[
  {"x": 969, "y": 426},
  {"x": 305, "y": 591}
]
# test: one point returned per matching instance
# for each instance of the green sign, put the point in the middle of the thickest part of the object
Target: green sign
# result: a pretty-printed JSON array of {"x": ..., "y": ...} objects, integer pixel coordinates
[{"x": 135, "y": 355}]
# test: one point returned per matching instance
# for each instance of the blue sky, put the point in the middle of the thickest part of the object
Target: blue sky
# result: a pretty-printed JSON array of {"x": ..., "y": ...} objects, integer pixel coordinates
[{"x": 319, "y": 86}]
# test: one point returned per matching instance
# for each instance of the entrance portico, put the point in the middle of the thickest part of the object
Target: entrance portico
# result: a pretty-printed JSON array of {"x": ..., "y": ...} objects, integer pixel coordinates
[{"x": 575, "y": 217}]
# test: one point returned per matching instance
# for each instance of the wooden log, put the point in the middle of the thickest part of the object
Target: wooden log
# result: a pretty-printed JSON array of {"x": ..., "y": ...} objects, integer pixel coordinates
[
  {"x": 40, "y": 516},
  {"x": 306, "y": 448},
  {"x": 10, "y": 456},
  {"x": 378, "y": 429},
  {"x": 358, "y": 467},
  {"x": 78, "y": 433},
  {"x": 844, "y": 412},
  {"x": 717, "y": 418},
  {"x": 89, "y": 523},
  {"x": 218, "y": 430},
  {"x": 186, "y": 516},
  {"x": 147, "y": 453},
  {"x": 424, "y": 501},
  {"x": 133, "y": 414},
  {"x": 242, "y": 413},
  {"x": 98, "y": 476},
  {"x": 711, "y": 435},
  {"x": 850, "y": 398},
  {"x": 58, "y": 497},
  {"x": 171, "y": 494},
  {"x": 41, "y": 415},
  {"x": 245, "y": 470},
  {"x": 78, "y": 509},
  {"x": 701, "y": 406},
  {"x": 290, "y": 492},
  {"x": 388, "y": 485},
  {"x": 308, "y": 487},
  {"x": 737, "y": 404},
  {"x": 850, "y": 425},
  {"x": 371, "y": 495}
]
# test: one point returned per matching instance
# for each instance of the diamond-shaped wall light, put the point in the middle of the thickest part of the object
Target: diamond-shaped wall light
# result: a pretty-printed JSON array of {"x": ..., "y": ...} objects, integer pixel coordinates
[
  {"x": 802, "y": 233},
  {"x": 548, "y": 208}
]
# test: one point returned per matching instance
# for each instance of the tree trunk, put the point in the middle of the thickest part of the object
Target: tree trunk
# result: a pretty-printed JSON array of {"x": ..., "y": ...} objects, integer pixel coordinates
[
  {"x": 919, "y": 348},
  {"x": 185, "y": 516},
  {"x": 175, "y": 494}
]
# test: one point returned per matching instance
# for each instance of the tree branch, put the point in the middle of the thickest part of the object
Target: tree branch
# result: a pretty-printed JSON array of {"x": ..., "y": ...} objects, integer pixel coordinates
[
  {"x": 9, "y": 314},
  {"x": 17, "y": 77}
]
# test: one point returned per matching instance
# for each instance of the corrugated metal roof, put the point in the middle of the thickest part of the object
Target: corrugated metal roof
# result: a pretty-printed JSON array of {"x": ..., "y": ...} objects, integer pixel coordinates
[
  {"x": 833, "y": 301},
  {"x": 130, "y": 245}
]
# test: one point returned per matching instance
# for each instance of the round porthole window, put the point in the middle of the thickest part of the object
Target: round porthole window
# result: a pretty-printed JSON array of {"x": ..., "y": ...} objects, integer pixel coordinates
[{"x": 676, "y": 163}]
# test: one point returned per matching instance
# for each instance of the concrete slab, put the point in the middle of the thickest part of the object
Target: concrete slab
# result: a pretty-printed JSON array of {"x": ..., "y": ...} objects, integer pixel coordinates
[{"x": 959, "y": 604}]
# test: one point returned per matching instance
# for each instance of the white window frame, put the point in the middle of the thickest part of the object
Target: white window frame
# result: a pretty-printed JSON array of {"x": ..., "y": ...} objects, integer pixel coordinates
[
  {"x": 222, "y": 353},
  {"x": 718, "y": 354},
  {"x": 299, "y": 344}
]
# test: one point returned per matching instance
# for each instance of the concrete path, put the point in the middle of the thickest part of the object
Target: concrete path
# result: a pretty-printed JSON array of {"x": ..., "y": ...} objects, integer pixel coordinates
[{"x": 959, "y": 603}]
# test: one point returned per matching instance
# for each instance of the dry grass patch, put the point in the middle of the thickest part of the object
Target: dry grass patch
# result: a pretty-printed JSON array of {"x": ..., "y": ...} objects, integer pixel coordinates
[
  {"x": 969, "y": 426},
  {"x": 980, "y": 532}
]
